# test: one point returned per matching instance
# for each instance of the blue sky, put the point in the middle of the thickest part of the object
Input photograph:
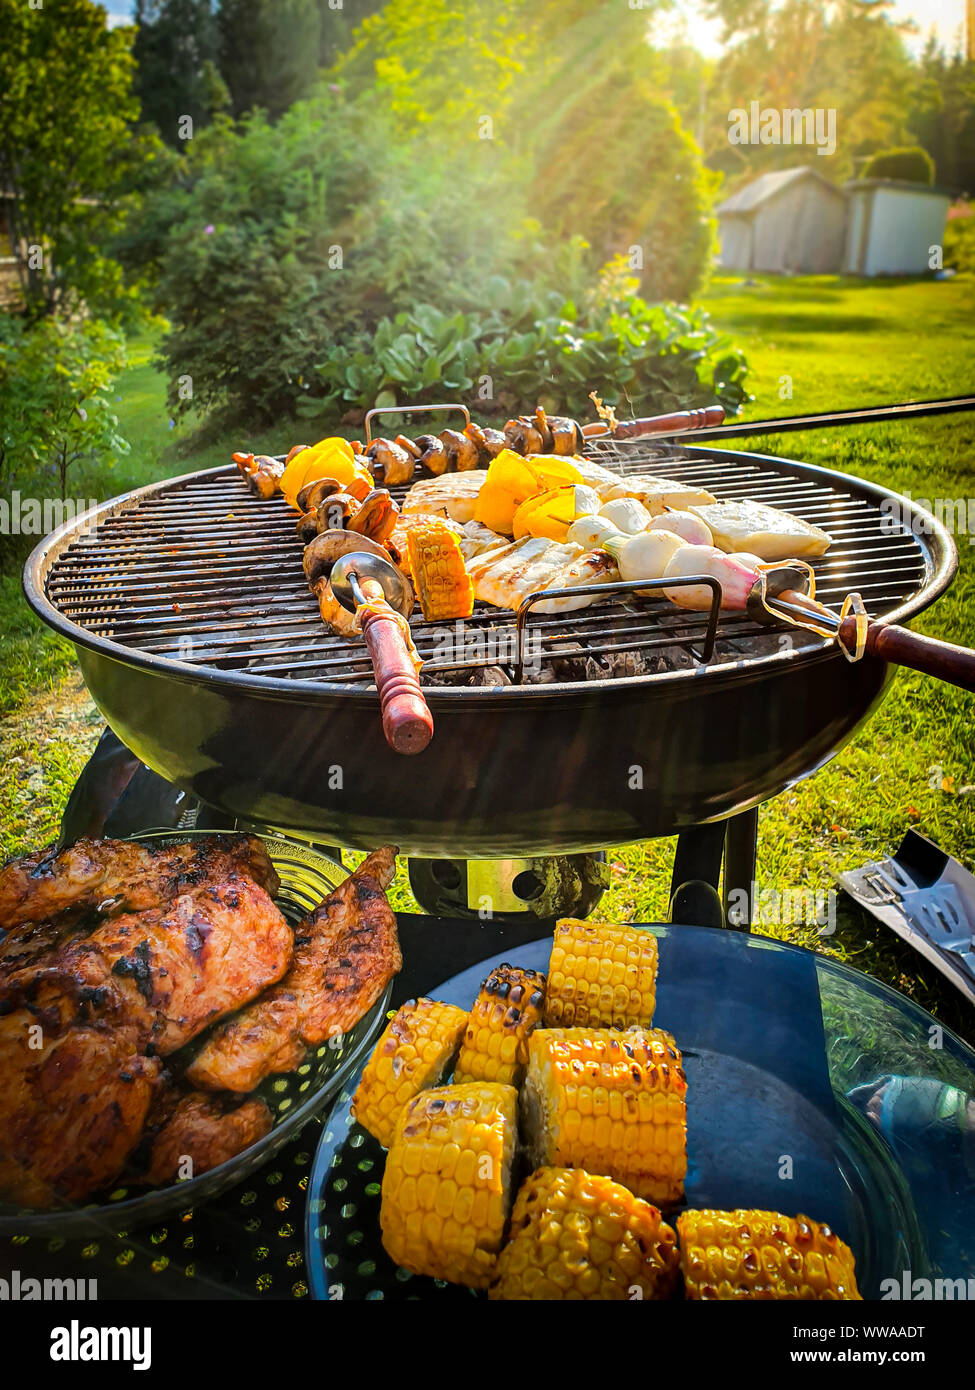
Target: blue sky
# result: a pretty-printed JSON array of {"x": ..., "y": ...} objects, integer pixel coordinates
[{"x": 946, "y": 17}]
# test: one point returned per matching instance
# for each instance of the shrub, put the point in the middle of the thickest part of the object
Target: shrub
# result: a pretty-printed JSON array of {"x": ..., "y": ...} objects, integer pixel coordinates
[
  {"x": 912, "y": 164},
  {"x": 650, "y": 358},
  {"x": 55, "y": 382},
  {"x": 959, "y": 243}
]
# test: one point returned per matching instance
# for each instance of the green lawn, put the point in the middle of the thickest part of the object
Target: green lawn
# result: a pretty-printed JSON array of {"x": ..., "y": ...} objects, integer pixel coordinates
[{"x": 841, "y": 343}]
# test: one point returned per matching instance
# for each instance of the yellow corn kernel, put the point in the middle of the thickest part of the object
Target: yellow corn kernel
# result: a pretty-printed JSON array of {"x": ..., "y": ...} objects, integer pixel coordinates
[
  {"x": 601, "y": 976},
  {"x": 414, "y": 1053},
  {"x": 451, "y": 1227},
  {"x": 507, "y": 1010},
  {"x": 611, "y": 1103},
  {"x": 761, "y": 1254},
  {"x": 578, "y": 1235},
  {"x": 440, "y": 576}
]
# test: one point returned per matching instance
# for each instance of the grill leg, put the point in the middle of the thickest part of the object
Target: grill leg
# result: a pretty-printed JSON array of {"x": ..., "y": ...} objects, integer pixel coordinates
[
  {"x": 697, "y": 871},
  {"x": 741, "y": 847}
]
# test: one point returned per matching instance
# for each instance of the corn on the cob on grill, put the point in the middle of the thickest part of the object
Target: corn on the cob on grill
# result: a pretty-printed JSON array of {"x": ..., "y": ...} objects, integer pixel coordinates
[
  {"x": 447, "y": 1188},
  {"x": 506, "y": 1011},
  {"x": 601, "y": 976},
  {"x": 611, "y": 1103},
  {"x": 761, "y": 1254},
  {"x": 413, "y": 1054},
  {"x": 440, "y": 576},
  {"x": 577, "y": 1235}
]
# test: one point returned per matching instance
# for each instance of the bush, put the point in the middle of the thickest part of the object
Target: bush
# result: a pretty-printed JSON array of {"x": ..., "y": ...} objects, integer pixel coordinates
[
  {"x": 959, "y": 243},
  {"x": 911, "y": 164},
  {"x": 55, "y": 383},
  {"x": 650, "y": 358}
]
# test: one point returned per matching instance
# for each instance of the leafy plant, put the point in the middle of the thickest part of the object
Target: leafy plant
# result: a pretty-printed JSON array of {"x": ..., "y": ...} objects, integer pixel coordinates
[
  {"x": 55, "y": 408},
  {"x": 913, "y": 165}
]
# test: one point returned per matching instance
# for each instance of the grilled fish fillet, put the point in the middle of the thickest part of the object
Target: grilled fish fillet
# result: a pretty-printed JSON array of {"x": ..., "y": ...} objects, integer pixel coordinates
[
  {"x": 477, "y": 539},
  {"x": 202, "y": 1132},
  {"x": 762, "y": 530},
  {"x": 122, "y": 875},
  {"x": 346, "y": 952},
  {"x": 452, "y": 495},
  {"x": 506, "y": 577},
  {"x": 73, "y": 1102},
  {"x": 656, "y": 494}
]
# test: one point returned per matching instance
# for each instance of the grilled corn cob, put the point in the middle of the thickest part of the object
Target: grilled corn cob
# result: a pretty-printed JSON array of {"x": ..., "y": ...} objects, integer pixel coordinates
[
  {"x": 760, "y": 1254},
  {"x": 440, "y": 576},
  {"x": 506, "y": 1011},
  {"x": 611, "y": 1103},
  {"x": 576, "y": 1235},
  {"x": 447, "y": 1188},
  {"x": 413, "y": 1054},
  {"x": 601, "y": 976}
]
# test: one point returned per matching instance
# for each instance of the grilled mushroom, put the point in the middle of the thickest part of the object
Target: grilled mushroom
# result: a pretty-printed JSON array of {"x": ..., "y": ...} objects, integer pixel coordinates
[
  {"x": 319, "y": 558},
  {"x": 461, "y": 451},
  {"x": 489, "y": 442},
  {"x": 566, "y": 435},
  {"x": 376, "y": 517},
  {"x": 298, "y": 448},
  {"x": 433, "y": 455},
  {"x": 522, "y": 436},
  {"x": 313, "y": 494},
  {"x": 263, "y": 473},
  {"x": 391, "y": 463},
  {"x": 411, "y": 446},
  {"x": 541, "y": 424}
]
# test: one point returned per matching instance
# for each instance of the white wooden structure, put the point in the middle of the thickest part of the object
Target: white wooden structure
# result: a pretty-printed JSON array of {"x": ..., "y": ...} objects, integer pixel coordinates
[
  {"x": 893, "y": 227},
  {"x": 793, "y": 221}
]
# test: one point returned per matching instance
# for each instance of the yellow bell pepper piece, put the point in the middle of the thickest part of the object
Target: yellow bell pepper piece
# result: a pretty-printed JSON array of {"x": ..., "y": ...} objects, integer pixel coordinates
[
  {"x": 332, "y": 458},
  {"x": 553, "y": 471},
  {"x": 509, "y": 483},
  {"x": 549, "y": 515}
]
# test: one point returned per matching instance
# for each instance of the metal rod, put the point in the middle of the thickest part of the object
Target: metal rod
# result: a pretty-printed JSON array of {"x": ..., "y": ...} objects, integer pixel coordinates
[{"x": 908, "y": 410}]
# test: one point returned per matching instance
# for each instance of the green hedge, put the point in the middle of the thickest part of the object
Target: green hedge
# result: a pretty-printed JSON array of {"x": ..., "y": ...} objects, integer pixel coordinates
[{"x": 912, "y": 164}]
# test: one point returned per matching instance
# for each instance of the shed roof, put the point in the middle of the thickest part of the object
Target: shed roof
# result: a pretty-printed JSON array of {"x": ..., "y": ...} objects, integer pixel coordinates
[{"x": 767, "y": 186}]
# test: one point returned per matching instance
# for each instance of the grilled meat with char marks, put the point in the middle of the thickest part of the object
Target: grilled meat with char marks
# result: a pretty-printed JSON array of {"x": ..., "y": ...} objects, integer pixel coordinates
[
  {"x": 170, "y": 971},
  {"x": 205, "y": 1129},
  {"x": 346, "y": 952},
  {"x": 122, "y": 875}
]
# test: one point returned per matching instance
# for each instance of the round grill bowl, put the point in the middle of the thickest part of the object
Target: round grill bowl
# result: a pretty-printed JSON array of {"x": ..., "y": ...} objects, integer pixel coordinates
[{"x": 557, "y": 768}]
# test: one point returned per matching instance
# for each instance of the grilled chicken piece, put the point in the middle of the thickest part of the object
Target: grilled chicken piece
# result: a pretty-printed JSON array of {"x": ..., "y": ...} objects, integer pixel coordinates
[
  {"x": 391, "y": 464},
  {"x": 168, "y": 972},
  {"x": 433, "y": 455},
  {"x": 118, "y": 874},
  {"x": 462, "y": 452},
  {"x": 346, "y": 952},
  {"x": 71, "y": 1109},
  {"x": 262, "y": 473},
  {"x": 453, "y": 495},
  {"x": 506, "y": 577},
  {"x": 489, "y": 442},
  {"x": 202, "y": 1132}
]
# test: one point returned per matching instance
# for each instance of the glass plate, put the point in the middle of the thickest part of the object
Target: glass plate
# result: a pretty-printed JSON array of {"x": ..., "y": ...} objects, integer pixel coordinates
[
  {"x": 293, "y": 1097},
  {"x": 747, "y": 1014}
]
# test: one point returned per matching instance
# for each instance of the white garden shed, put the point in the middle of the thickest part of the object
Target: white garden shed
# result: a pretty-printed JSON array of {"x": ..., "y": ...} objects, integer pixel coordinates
[
  {"x": 793, "y": 220},
  {"x": 894, "y": 226}
]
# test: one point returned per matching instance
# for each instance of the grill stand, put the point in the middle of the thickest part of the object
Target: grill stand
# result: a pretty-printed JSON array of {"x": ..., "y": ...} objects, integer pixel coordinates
[{"x": 117, "y": 795}]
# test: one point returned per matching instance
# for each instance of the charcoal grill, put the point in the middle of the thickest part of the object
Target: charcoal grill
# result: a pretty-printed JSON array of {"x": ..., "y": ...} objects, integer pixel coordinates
[{"x": 204, "y": 650}]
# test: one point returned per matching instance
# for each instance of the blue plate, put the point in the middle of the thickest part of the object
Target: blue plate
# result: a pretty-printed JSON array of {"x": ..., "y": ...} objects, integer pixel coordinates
[{"x": 776, "y": 1114}]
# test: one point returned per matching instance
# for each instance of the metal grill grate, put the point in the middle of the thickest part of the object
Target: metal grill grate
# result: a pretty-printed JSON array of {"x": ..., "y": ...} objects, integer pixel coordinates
[{"x": 200, "y": 571}]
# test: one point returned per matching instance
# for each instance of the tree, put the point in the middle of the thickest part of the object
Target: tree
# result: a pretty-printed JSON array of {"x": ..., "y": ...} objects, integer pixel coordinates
[
  {"x": 269, "y": 52},
  {"x": 65, "y": 104},
  {"x": 176, "y": 49},
  {"x": 943, "y": 115}
]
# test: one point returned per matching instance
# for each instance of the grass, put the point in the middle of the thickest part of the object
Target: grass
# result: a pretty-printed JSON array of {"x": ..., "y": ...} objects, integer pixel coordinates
[{"x": 833, "y": 343}]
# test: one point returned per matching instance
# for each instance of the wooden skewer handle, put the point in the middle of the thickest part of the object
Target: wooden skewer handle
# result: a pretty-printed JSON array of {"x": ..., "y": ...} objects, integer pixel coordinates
[
  {"x": 661, "y": 424},
  {"x": 407, "y": 721},
  {"x": 901, "y": 647}
]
